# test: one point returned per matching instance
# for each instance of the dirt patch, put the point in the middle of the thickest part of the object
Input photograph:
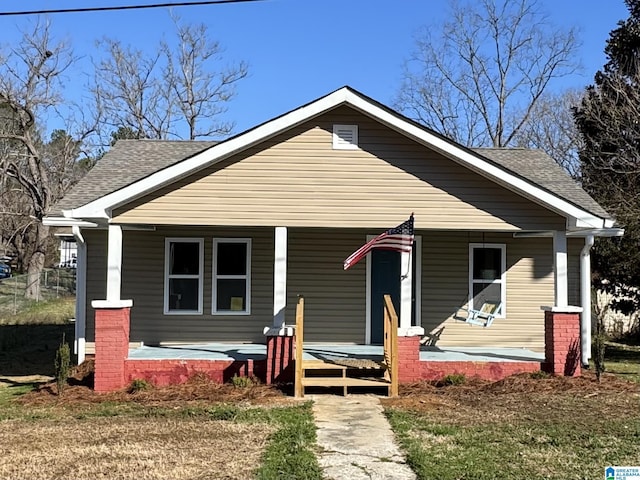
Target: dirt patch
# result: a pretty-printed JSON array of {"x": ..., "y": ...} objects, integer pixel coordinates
[{"x": 131, "y": 448}]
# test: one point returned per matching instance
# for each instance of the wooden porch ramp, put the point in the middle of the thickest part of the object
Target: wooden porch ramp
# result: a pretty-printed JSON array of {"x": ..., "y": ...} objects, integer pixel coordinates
[{"x": 349, "y": 372}]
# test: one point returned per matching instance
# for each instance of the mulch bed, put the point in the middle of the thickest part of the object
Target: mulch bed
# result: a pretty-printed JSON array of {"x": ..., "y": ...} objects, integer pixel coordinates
[
  {"x": 519, "y": 391},
  {"x": 199, "y": 388},
  {"x": 520, "y": 395}
]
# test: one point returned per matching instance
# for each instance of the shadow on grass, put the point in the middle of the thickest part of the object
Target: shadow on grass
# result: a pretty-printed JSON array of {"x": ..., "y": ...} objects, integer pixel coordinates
[
  {"x": 31, "y": 349},
  {"x": 622, "y": 353}
]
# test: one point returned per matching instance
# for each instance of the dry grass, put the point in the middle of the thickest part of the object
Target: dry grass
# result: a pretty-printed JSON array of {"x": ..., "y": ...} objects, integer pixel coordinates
[{"x": 130, "y": 448}]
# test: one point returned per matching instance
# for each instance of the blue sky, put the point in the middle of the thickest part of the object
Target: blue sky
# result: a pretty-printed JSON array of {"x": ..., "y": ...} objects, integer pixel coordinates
[{"x": 298, "y": 50}]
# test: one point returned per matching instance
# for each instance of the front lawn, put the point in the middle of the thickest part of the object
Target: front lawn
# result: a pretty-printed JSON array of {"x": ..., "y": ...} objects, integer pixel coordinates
[
  {"x": 182, "y": 432},
  {"x": 522, "y": 427}
]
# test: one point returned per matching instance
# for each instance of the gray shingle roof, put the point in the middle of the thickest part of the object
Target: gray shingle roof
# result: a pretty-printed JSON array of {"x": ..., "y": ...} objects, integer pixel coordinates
[
  {"x": 127, "y": 162},
  {"x": 539, "y": 168},
  {"x": 132, "y": 160}
]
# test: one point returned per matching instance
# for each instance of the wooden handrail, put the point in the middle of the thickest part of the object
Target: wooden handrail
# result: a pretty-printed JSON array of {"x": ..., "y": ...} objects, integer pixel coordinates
[
  {"x": 391, "y": 344},
  {"x": 298, "y": 389}
]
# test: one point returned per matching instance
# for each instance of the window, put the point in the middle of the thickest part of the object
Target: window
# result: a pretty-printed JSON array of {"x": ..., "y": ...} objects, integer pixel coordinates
[
  {"x": 345, "y": 137},
  {"x": 487, "y": 274},
  {"x": 231, "y": 276},
  {"x": 183, "y": 268}
]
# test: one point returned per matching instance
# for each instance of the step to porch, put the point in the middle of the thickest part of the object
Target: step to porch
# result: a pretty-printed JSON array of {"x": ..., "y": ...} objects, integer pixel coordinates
[{"x": 344, "y": 373}]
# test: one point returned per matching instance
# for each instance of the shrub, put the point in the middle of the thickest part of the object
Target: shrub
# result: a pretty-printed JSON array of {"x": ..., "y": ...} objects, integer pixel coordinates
[
  {"x": 452, "y": 379},
  {"x": 539, "y": 375},
  {"x": 62, "y": 365},
  {"x": 242, "y": 382},
  {"x": 599, "y": 347},
  {"x": 138, "y": 385}
]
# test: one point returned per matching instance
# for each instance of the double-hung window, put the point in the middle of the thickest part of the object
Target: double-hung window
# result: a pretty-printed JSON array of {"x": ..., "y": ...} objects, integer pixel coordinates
[
  {"x": 183, "y": 275},
  {"x": 231, "y": 281},
  {"x": 487, "y": 274}
]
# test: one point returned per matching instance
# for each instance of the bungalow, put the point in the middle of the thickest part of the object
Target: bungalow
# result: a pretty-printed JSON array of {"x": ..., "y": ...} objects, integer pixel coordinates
[{"x": 207, "y": 245}]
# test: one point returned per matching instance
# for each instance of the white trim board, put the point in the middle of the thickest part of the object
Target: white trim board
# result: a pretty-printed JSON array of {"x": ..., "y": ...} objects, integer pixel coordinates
[{"x": 102, "y": 207}]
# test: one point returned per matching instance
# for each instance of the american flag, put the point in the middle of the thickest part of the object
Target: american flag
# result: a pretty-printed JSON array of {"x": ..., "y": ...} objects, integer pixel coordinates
[{"x": 399, "y": 238}]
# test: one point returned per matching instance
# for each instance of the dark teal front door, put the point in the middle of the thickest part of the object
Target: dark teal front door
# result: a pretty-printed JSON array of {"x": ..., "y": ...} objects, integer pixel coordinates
[{"x": 385, "y": 279}]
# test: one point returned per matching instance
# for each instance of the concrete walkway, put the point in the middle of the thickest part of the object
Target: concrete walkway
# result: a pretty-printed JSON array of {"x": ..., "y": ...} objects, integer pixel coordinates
[{"x": 355, "y": 439}]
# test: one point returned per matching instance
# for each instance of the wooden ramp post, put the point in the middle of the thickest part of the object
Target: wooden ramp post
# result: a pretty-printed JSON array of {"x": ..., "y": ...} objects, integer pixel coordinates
[
  {"x": 298, "y": 388},
  {"x": 391, "y": 345}
]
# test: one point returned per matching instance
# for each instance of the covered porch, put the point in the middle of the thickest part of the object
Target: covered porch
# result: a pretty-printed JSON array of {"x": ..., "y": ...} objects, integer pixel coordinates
[{"x": 320, "y": 351}]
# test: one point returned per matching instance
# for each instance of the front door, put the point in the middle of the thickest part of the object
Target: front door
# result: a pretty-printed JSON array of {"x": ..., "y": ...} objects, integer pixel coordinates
[{"x": 385, "y": 279}]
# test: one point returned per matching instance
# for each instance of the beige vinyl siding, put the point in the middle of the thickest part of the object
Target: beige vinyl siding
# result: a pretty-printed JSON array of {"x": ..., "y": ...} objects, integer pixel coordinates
[
  {"x": 143, "y": 282},
  {"x": 297, "y": 179},
  {"x": 335, "y": 300},
  {"x": 445, "y": 274}
]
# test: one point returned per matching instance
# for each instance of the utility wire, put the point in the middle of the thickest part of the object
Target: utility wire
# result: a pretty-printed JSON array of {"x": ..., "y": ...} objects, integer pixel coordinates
[{"x": 124, "y": 7}]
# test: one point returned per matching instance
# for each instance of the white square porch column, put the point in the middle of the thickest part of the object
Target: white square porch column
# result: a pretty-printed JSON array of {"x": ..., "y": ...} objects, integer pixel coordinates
[
  {"x": 560, "y": 277},
  {"x": 405, "y": 329},
  {"x": 279, "y": 276},
  {"x": 278, "y": 327},
  {"x": 114, "y": 263}
]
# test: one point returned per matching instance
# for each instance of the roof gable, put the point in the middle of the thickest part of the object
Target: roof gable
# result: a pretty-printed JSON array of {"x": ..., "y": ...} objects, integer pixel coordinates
[
  {"x": 582, "y": 210},
  {"x": 300, "y": 179}
]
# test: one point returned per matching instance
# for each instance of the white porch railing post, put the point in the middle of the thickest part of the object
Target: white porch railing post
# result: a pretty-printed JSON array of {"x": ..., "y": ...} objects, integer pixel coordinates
[
  {"x": 561, "y": 289},
  {"x": 114, "y": 263}
]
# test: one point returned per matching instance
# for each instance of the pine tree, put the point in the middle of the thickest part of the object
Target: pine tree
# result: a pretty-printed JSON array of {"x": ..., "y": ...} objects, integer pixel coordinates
[{"x": 608, "y": 119}]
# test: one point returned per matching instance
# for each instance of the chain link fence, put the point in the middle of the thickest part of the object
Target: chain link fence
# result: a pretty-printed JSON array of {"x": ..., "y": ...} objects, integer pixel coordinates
[{"x": 54, "y": 283}]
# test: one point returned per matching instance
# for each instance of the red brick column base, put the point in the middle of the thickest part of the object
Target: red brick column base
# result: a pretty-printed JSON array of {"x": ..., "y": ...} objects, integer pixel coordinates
[
  {"x": 280, "y": 361},
  {"x": 112, "y": 346},
  {"x": 409, "y": 367},
  {"x": 562, "y": 343}
]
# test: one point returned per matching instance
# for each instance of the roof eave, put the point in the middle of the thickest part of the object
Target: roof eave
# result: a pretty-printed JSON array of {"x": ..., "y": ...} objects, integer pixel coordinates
[{"x": 57, "y": 221}]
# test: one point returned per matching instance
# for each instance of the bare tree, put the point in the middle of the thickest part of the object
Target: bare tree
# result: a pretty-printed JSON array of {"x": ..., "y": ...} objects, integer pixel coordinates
[
  {"x": 130, "y": 91},
  {"x": 36, "y": 173},
  {"x": 479, "y": 77},
  {"x": 201, "y": 94},
  {"x": 179, "y": 87},
  {"x": 552, "y": 128}
]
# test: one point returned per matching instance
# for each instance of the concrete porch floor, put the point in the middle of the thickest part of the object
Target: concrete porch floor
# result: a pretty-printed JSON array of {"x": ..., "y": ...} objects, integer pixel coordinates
[{"x": 256, "y": 351}]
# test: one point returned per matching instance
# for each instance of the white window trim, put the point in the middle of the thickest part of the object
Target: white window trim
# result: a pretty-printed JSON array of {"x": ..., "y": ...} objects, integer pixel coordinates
[
  {"x": 215, "y": 277},
  {"x": 503, "y": 276},
  {"x": 167, "y": 242},
  {"x": 338, "y": 143}
]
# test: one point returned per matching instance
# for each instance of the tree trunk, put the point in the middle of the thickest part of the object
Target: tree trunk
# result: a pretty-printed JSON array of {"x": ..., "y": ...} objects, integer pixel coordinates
[{"x": 36, "y": 262}]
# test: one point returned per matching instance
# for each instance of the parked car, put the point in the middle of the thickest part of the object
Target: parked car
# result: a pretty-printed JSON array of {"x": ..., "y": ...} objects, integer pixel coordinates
[{"x": 5, "y": 271}]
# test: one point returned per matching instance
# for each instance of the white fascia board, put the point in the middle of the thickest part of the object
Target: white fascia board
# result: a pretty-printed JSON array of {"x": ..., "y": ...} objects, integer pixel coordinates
[
  {"x": 477, "y": 164},
  {"x": 66, "y": 222},
  {"x": 101, "y": 207},
  {"x": 595, "y": 232}
]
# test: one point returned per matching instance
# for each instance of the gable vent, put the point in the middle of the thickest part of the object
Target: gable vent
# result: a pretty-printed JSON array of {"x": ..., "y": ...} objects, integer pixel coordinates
[{"x": 345, "y": 137}]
